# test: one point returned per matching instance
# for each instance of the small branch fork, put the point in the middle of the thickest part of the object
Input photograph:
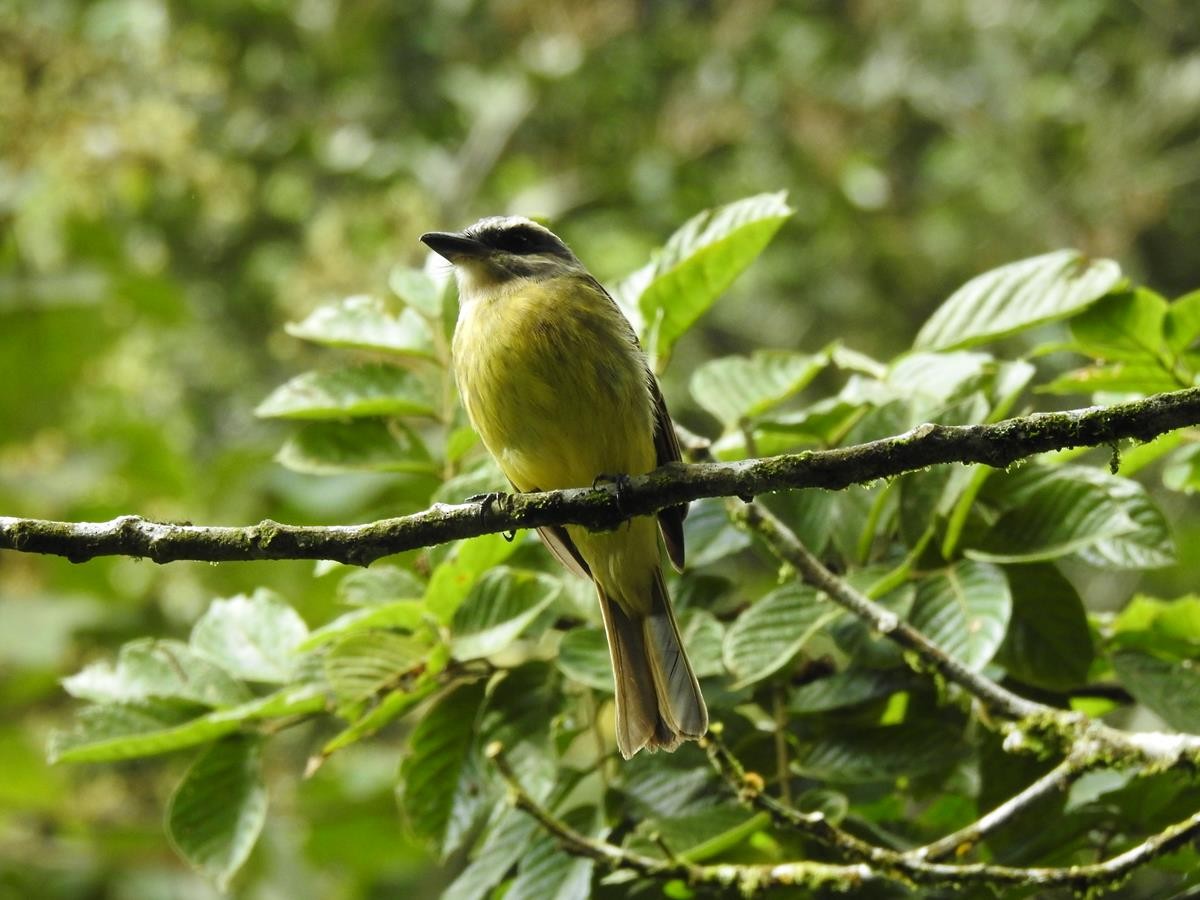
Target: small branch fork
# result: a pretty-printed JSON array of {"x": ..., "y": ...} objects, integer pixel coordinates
[{"x": 998, "y": 444}]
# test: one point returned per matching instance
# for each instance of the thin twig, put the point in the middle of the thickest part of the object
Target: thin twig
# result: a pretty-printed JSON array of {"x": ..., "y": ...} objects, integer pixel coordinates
[{"x": 998, "y": 444}]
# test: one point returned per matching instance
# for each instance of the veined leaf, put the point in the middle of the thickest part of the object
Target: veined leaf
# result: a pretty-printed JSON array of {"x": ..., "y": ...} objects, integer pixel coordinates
[
  {"x": 405, "y": 615},
  {"x": 770, "y": 633},
  {"x": 1053, "y": 511},
  {"x": 697, "y": 264},
  {"x": 710, "y": 535},
  {"x": 700, "y": 835},
  {"x": 583, "y": 657},
  {"x": 1049, "y": 644},
  {"x": 360, "y": 665},
  {"x": 881, "y": 754},
  {"x": 1018, "y": 296},
  {"x": 847, "y": 688},
  {"x": 371, "y": 389},
  {"x": 735, "y": 388},
  {"x": 506, "y": 842},
  {"x": 379, "y": 585},
  {"x": 363, "y": 323},
  {"x": 965, "y": 610},
  {"x": 546, "y": 873},
  {"x": 390, "y": 708},
  {"x": 157, "y": 670},
  {"x": 453, "y": 578},
  {"x": 1123, "y": 326},
  {"x": 432, "y": 772},
  {"x": 218, "y": 810},
  {"x": 126, "y": 731},
  {"x": 1118, "y": 377},
  {"x": 502, "y": 604},
  {"x": 703, "y": 637},
  {"x": 254, "y": 637},
  {"x": 366, "y": 445},
  {"x": 1182, "y": 325}
]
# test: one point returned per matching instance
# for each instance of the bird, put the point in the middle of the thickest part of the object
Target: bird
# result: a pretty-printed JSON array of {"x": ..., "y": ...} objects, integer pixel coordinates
[{"x": 555, "y": 383}]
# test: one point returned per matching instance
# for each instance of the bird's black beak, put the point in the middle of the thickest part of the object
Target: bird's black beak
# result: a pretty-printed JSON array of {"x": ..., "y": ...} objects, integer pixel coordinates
[{"x": 454, "y": 246}]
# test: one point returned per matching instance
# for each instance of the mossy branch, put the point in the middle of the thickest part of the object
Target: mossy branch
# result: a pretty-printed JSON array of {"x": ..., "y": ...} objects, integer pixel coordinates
[{"x": 600, "y": 508}]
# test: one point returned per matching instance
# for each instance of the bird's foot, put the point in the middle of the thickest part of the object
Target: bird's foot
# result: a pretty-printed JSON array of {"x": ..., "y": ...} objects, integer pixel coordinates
[{"x": 620, "y": 483}]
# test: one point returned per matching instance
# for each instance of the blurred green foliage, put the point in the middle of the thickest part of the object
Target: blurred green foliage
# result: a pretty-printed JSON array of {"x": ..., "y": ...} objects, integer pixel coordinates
[{"x": 179, "y": 180}]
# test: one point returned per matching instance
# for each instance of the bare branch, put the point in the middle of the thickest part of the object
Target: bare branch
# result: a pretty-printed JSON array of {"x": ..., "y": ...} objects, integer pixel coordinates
[{"x": 998, "y": 444}]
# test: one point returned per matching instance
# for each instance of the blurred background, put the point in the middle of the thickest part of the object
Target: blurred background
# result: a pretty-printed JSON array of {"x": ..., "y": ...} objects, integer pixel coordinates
[{"x": 180, "y": 179}]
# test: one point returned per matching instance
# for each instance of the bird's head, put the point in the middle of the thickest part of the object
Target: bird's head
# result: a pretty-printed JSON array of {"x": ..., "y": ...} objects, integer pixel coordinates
[{"x": 499, "y": 249}]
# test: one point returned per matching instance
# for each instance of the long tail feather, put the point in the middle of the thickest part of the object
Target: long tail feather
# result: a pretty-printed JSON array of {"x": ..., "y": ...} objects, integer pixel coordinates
[{"x": 659, "y": 704}]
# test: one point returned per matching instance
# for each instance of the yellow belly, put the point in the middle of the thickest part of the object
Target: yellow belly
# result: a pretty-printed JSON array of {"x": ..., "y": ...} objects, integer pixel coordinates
[{"x": 554, "y": 385}]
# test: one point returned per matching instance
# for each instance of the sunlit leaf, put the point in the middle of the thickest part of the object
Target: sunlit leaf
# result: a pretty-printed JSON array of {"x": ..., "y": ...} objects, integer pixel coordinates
[
  {"x": 710, "y": 535},
  {"x": 254, "y": 637},
  {"x": 378, "y": 585},
  {"x": 368, "y": 445},
  {"x": 218, "y": 810},
  {"x": 362, "y": 664},
  {"x": 364, "y": 323},
  {"x": 417, "y": 290},
  {"x": 501, "y": 605},
  {"x": 766, "y": 637},
  {"x": 734, "y": 388},
  {"x": 157, "y": 670},
  {"x": 125, "y": 731},
  {"x": 1123, "y": 326},
  {"x": 454, "y": 576},
  {"x": 405, "y": 615},
  {"x": 1018, "y": 296},
  {"x": 371, "y": 389},
  {"x": 964, "y": 609},
  {"x": 697, "y": 264}
]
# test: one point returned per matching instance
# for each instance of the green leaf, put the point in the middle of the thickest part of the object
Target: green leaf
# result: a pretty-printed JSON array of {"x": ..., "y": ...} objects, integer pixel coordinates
[
  {"x": 505, "y": 843},
  {"x": 964, "y": 609},
  {"x": 1168, "y": 688},
  {"x": 547, "y": 873},
  {"x": 378, "y": 585},
  {"x": 254, "y": 637},
  {"x": 363, "y": 323},
  {"x": 1182, "y": 325},
  {"x": 1052, "y": 512},
  {"x": 218, "y": 811},
  {"x": 701, "y": 835},
  {"x": 417, "y": 290},
  {"x": 361, "y": 665},
  {"x": 1119, "y": 377},
  {"x": 431, "y": 775},
  {"x": 150, "y": 669},
  {"x": 710, "y": 535},
  {"x": 405, "y": 615},
  {"x": 390, "y": 708},
  {"x": 697, "y": 264},
  {"x": 1164, "y": 627},
  {"x": 735, "y": 388},
  {"x": 1018, "y": 296},
  {"x": 770, "y": 633},
  {"x": 1123, "y": 326},
  {"x": 881, "y": 754},
  {"x": 370, "y": 389},
  {"x": 125, "y": 731},
  {"x": 846, "y": 688},
  {"x": 1049, "y": 644},
  {"x": 501, "y": 605},
  {"x": 367, "y": 445},
  {"x": 703, "y": 637},
  {"x": 453, "y": 578},
  {"x": 583, "y": 657},
  {"x": 1182, "y": 471}
]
